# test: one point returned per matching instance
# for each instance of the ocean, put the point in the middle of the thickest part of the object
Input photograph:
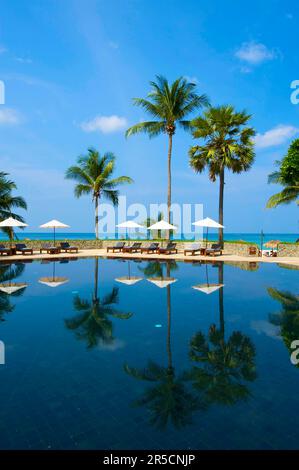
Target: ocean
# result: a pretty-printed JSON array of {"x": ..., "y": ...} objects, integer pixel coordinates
[{"x": 247, "y": 237}]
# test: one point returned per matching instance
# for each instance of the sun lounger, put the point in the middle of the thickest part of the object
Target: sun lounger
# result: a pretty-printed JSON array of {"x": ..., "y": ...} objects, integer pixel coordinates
[
  {"x": 4, "y": 250},
  {"x": 22, "y": 248},
  {"x": 170, "y": 248},
  {"x": 192, "y": 249},
  {"x": 132, "y": 249},
  {"x": 254, "y": 251},
  {"x": 118, "y": 247},
  {"x": 215, "y": 248},
  {"x": 152, "y": 248},
  {"x": 67, "y": 248},
  {"x": 49, "y": 249}
]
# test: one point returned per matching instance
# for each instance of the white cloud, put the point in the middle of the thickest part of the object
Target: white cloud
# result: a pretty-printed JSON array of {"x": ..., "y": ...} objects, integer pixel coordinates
[
  {"x": 9, "y": 116},
  {"x": 254, "y": 53},
  {"x": 276, "y": 136},
  {"x": 113, "y": 45},
  {"x": 23, "y": 60},
  {"x": 104, "y": 124}
]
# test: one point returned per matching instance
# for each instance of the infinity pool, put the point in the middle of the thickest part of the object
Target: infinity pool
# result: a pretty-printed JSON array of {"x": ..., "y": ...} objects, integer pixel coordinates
[{"x": 111, "y": 354}]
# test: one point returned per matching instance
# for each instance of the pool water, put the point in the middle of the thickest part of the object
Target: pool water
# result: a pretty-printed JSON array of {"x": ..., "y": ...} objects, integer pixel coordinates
[{"x": 111, "y": 354}]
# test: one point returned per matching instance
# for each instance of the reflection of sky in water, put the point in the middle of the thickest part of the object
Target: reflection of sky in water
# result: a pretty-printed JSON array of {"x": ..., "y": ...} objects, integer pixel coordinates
[{"x": 74, "y": 352}]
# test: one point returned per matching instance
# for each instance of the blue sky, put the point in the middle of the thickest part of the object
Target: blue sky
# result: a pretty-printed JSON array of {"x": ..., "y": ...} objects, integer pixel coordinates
[{"x": 71, "y": 68}]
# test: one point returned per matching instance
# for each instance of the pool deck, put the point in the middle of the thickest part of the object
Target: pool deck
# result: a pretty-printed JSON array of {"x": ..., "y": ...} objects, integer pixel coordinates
[{"x": 178, "y": 257}]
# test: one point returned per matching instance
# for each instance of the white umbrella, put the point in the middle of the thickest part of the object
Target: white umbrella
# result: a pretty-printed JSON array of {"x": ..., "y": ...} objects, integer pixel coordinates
[
  {"x": 53, "y": 281},
  {"x": 162, "y": 225},
  {"x": 208, "y": 223},
  {"x": 11, "y": 288},
  {"x": 11, "y": 222},
  {"x": 54, "y": 224},
  {"x": 208, "y": 288},
  {"x": 129, "y": 280},
  {"x": 129, "y": 224},
  {"x": 162, "y": 281}
]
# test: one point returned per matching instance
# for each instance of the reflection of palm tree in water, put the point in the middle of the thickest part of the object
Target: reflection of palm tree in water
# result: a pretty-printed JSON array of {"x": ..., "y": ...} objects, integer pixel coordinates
[
  {"x": 288, "y": 318},
  {"x": 168, "y": 400},
  {"x": 7, "y": 274},
  {"x": 93, "y": 324},
  {"x": 225, "y": 365}
]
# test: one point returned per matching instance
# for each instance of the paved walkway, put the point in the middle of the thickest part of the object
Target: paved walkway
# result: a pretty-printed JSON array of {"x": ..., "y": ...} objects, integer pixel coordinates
[{"x": 179, "y": 257}]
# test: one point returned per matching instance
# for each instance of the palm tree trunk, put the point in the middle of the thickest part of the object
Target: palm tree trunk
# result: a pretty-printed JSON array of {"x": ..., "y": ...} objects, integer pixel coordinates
[
  {"x": 221, "y": 194},
  {"x": 169, "y": 353},
  {"x": 96, "y": 278},
  {"x": 97, "y": 216},
  {"x": 169, "y": 183},
  {"x": 221, "y": 300}
]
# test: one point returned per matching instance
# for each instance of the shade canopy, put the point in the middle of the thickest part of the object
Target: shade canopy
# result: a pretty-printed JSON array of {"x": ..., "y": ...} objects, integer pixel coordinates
[
  {"x": 12, "y": 287},
  {"x": 207, "y": 222},
  {"x": 162, "y": 281},
  {"x": 208, "y": 288},
  {"x": 53, "y": 281},
  {"x": 272, "y": 243},
  {"x": 54, "y": 224},
  {"x": 129, "y": 281},
  {"x": 129, "y": 224},
  {"x": 162, "y": 225},
  {"x": 11, "y": 222}
]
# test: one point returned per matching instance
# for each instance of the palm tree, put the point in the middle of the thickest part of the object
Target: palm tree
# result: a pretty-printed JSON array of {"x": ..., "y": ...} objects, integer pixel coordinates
[
  {"x": 8, "y": 202},
  {"x": 226, "y": 144},
  {"x": 93, "y": 324},
  {"x": 287, "y": 176},
  {"x": 288, "y": 318},
  {"x": 168, "y": 400},
  {"x": 94, "y": 176},
  {"x": 169, "y": 105},
  {"x": 225, "y": 364},
  {"x": 9, "y": 273}
]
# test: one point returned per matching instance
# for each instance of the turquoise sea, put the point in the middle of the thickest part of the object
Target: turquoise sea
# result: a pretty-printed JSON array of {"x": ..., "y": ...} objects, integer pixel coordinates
[{"x": 248, "y": 237}]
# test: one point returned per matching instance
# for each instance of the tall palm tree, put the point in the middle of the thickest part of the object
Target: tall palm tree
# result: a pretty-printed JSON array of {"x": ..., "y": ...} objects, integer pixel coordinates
[
  {"x": 226, "y": 143},
  {"x": 93, "y": 323},
  {"x": 288, "y": 318},
  {"x": 9, "y": 202},
  {"x": 168, "y": 400},
  {"x": 287, "y": 176},
  {"x": 93, "y": 174},
  {"x": 168, "y": 105},
  {"x": 225, "y": 364}
]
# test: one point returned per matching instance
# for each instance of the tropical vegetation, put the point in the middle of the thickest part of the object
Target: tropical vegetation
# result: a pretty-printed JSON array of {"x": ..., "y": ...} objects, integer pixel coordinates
[
  {"x": 287, "y": 176},
  {"x": 94, "y": 175},
  {"x": 168, "y": 105},
  {"x": 9, "y": 202},
  {"x": 226, "y": 143}
]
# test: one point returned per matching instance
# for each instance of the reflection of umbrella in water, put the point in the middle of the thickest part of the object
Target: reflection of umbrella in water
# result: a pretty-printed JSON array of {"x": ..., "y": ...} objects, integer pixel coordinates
[
  {"x": 12, "y": 287},
  {"x": 129, "y": 280},
  {"x": 162, "y": 281},
  {"x": 53, "y": 281},
  {"x": 208, "y": 288}
]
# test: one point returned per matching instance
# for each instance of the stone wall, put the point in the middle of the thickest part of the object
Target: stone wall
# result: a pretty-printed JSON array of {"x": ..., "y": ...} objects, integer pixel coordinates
[
  {"x": 288, "y": 249},
  {"x": 240, "y": 249}
]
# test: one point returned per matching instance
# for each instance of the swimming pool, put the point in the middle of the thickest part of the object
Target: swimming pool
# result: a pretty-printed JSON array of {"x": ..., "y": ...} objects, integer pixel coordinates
[{"x": 111, "y": 354}]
